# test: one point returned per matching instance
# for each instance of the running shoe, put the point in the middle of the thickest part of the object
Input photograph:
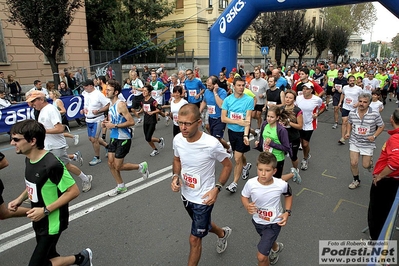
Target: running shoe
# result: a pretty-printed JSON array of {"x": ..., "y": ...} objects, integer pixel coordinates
[
  {"x": 341, "y": 141},
  {"x": 354, "y": 184},
  {"x": 76, "y": 139},
  {"x": 154, "y": 152},
  {"x": 161, "y": 143},
  {"x": 232, "y": 187},
  {"x": 88, "y": 257},
  {"x": 300, "y": 146},
  {"x": 274, "y": 255},
  {"x": 144, "y": 170},
  {"x": 95, "y": 161},
  {"x": 296, "y": 178},
  {"x": 86, "y": 185},
  {"x": 139, "y": 120},
  {"x": 117, "y": 191},
  {"x": 304, "y": 164},
  {"x": 335, "y": 126},
  {"x": 257, "y": 131},
  {"x": 79, "y": 157},
  {"x": 167, "y": 120},
  {"x": 245, "y": 171},
  {"x": 221, "y": 244}
]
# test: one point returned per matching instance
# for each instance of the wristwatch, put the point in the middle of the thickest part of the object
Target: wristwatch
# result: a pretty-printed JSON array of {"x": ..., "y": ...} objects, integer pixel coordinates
[
  {"x": 219, "y": 187},
  {"x": 46, "y": 211},
  {"x": 289, "y": 212},
  {"x": 116, "y": 125}
]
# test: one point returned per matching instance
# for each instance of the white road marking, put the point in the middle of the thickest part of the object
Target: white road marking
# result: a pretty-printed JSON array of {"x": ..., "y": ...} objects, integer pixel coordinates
[{"x": 21, "y": 239}]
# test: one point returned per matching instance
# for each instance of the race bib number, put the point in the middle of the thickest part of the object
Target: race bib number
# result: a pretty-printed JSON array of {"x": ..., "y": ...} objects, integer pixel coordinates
[
  {"x": 154, "y": 93},
  {"x": 368, "y": 87},
  {"x": 362, "y": 130},
  {"x": 192, "y": 93},
  {"x": 331, "y": 79},
  {"x": 192, "y": 181},
  {"x": 267, "y": 147},
  {"x": 211, "y": 109},
  {"x": 175, "y": 118},
  {"x": 395, "y": 81},
  {"x": 255, "y": 88},
  {"x": 147, "y": 107},
  {"x": 348, "y": 101},
  {"x": 338, "y": 87},
  {"x": 31, "y": 188},
  {"x": 270, "y": 103},
  {"x": 236, "y": 116},
  {"x": 318, "y": 81},
  {"x": 267, "y": 214}
]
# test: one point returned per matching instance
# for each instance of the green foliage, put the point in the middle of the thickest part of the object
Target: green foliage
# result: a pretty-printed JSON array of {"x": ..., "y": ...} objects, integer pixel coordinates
[
  {"x": 321, "y": 39},
  {"x": 125, "y": 24},
  {"x": 304, "y": 38},
  {"x": 45, "y": 23},
  {"x": 339, "y": 38},
  {"x": 355, "y": 18},
  {"x": 395, "y": 43}
]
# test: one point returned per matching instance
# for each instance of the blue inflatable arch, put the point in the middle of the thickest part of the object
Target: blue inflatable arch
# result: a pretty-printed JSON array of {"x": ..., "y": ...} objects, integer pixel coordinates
[{"x": 239, "y": 15}]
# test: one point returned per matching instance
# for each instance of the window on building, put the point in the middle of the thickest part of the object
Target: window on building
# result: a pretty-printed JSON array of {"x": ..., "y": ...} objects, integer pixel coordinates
[
  {"x": 154, "y": 38},
  {"x": 314, "y": 22},
  {"x": 3, "y": 53},
  {"x": 210, "y": 3},
  {"x": 180, "y": 40},
  {"x": 239, "y": 46},
  {"x": 179, "y": 3},
  {"x": 223, "y": 4}
]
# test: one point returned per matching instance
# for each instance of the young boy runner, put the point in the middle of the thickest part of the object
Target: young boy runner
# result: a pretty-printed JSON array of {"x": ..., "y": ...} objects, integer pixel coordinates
[{"x": 266, "y": 208}]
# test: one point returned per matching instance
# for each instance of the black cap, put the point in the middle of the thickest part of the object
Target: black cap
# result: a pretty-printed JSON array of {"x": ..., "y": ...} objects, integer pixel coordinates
[{"x": 87, "y": 82}]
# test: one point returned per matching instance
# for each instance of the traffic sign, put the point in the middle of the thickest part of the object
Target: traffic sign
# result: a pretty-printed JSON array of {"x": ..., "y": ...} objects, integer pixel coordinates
[{"x": 264, "y": 50}]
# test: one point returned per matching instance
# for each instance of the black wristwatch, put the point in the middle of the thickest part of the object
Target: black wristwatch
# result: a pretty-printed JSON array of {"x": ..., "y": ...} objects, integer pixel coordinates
[
  {"x": 116, "y": 125},
  {"x": 289, "y": 212},
  {"x": 219, "y": 187},
  {"x": 46, "y": 211}
]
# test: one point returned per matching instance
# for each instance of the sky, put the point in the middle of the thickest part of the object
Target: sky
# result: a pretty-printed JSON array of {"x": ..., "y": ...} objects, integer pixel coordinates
[{"x": 385, "y": 28}]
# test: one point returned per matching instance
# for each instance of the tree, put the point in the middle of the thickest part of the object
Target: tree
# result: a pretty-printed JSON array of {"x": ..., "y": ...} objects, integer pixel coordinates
[
  {"x": 338, "y": 42},
  {"x": 395, "y": 43},
  {"x": 304, "y": 37},
  {"x": 279, "y": 29},
  {"x": 321, "y": 39},
  {"x": 126, "y": 31},
  {"x": 355, "y": 18},
  {"x": 45, "y": 23}
]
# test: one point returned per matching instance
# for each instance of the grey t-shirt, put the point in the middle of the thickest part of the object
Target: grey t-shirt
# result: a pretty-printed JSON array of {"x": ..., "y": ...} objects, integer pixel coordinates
[{"x": 259, "y": 87}]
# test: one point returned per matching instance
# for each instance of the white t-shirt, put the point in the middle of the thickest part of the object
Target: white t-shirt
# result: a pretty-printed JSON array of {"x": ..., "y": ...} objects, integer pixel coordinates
[
  {"x": 370, "y": 85},
  {"x": 137, "y": 83},
  {"x": 174, "y": 109},
  {"x": 50, "y": 116},
  {"x": 94, "y": 100},
  {"x": 376, "y": 106},
  {"x": 351, "y": 96},
  {"x": 266, "y": 198},
  {"x": 309, "y": 107},
  {"x": 4, "y": 103},
  {"x": 43, "y": 90},
  {"x": 198, "y": 164}
]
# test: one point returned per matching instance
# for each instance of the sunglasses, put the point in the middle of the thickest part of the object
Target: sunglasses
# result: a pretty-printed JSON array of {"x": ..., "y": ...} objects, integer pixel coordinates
[{"x": 17, "y": 139}]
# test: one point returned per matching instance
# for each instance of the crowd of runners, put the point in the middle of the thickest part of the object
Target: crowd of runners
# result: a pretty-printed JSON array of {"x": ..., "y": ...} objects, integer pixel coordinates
[{"x": 274, "y": 110}]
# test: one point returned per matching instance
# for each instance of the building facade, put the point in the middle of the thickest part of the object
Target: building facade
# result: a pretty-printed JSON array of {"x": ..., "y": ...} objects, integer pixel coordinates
[
  {"x": 20, "y": 58},
  {"x": 199, "y": 15}
]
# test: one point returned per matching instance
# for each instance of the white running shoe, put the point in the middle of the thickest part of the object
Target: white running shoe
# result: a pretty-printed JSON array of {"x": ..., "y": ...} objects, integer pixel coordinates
[
  {"x": 76, "y": 139},
  {"x": 144, "y": 170}
]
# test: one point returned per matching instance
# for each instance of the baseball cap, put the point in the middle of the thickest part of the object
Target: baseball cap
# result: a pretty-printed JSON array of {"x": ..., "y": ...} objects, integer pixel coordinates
[
  {"x": 87, "y": 82},
  {"x": 34, "y": 95},
  {"x": 308, "y": 85},
  {"x": 370, "y": 72},
  {"x": 234, "y": 69}
]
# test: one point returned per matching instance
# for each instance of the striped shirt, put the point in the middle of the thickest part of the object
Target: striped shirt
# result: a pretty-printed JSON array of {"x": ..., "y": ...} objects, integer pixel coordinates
[{"x": 363, "y": 128}]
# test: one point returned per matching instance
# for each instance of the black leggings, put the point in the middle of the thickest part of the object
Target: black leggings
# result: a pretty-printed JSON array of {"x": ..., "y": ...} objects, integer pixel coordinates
[
  {"x": 45, "y": 250},
  {"x": 149, "y": 130},
  {"x": 279, "y": 172}
]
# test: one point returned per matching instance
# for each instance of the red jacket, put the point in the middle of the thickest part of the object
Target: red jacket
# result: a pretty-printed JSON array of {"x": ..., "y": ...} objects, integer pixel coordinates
[{"x": 389, "y": 155}]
